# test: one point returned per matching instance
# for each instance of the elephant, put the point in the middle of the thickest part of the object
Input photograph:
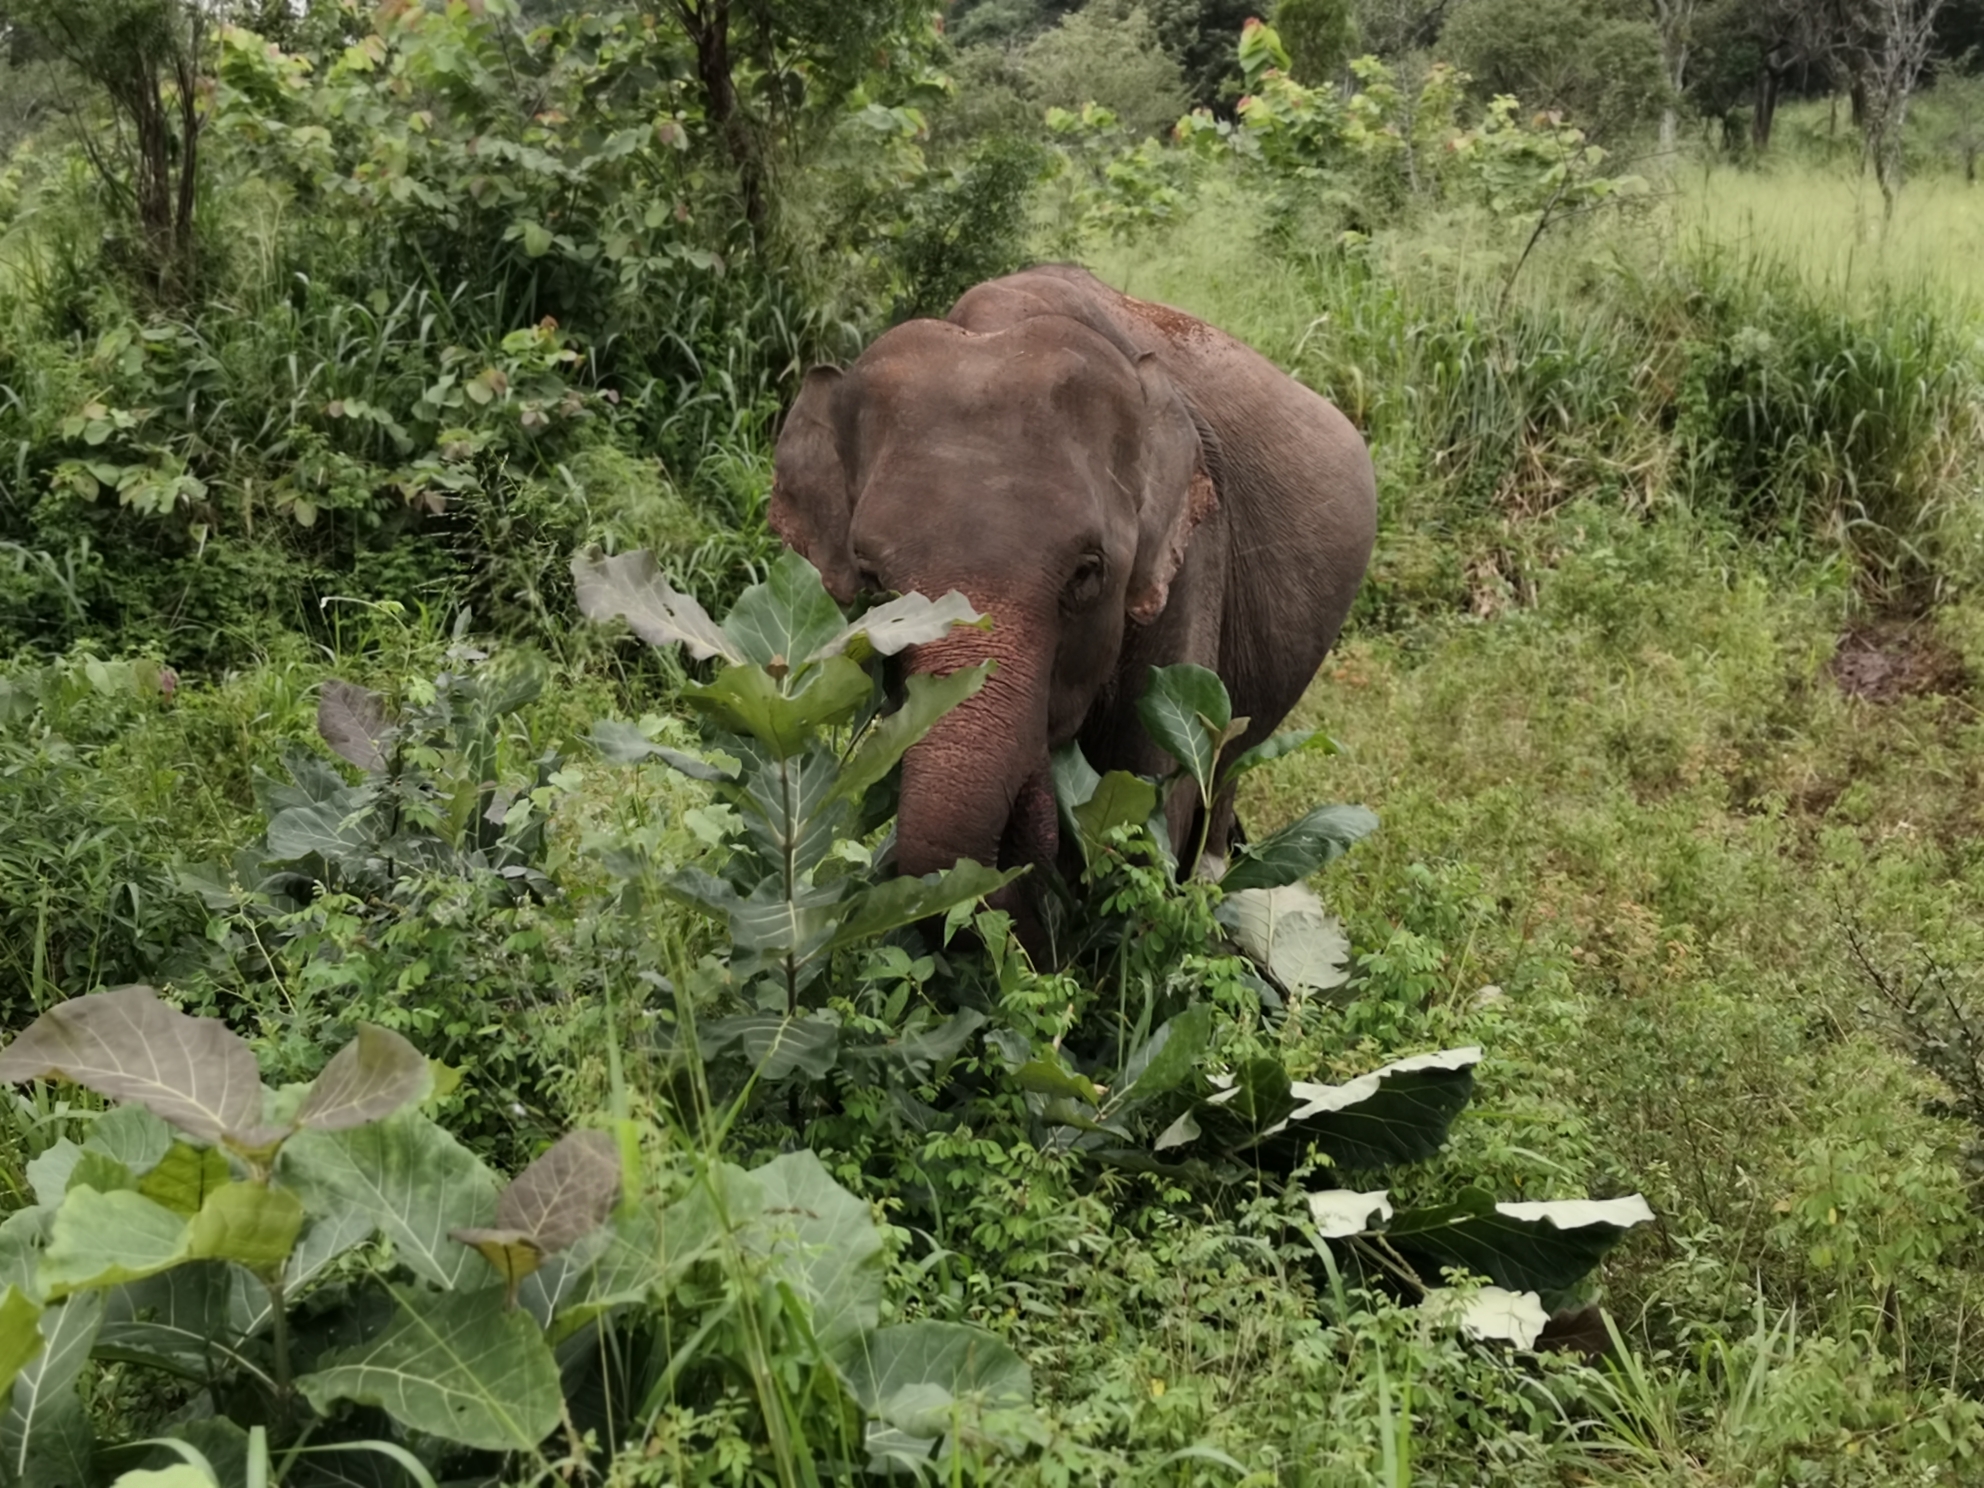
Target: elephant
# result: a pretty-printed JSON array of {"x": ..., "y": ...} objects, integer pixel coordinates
[{"x": 1119, "y": 486}]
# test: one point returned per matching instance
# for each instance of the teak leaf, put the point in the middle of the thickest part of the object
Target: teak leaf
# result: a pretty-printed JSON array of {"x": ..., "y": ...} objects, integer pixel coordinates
[
  {"x": 127, "y": 1045},
  {"x": 103, "y": 1239},
  {"x": 926, "y": 699},
  {"x": 746, "y": 700},
  {"x": 1186, "y": 710},
  {"x": 566, "y": 1194},
  {"x": 822, "y": 1241},
  {"x": 461, "y": 1367},
  {"x": 250, "y": 1223},
  {"x": 413, "y": 1181},
  {"x": 629, "y": 586},
  {"x": 1298, "y": 849},
  {"x": 908, "y": 620},
  {"x": 1120, "y": 799},
  {"x": 789, "y": 619},
  {"x": 370, "y": 1078},
  {"x": 1542, "y": 1247},
  {"x": 45, "y": 1433},
  {"x": 1278, "y": 747},
  {"x": 1287, "y": 931},
  {"x": 20, "y": 1335},
  {"x": 352, "y": 720}
]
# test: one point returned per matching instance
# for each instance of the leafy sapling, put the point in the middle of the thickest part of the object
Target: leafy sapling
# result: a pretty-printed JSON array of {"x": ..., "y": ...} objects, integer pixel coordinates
[{"x": 801, "y": 748}]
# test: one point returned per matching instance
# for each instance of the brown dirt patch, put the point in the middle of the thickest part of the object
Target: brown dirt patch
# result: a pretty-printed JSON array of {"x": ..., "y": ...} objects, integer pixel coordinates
[{"x": 1887, "y": 660}]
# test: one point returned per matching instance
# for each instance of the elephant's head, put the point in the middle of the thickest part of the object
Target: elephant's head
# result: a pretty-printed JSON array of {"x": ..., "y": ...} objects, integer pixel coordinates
[{"x": 1047, "y": 476}]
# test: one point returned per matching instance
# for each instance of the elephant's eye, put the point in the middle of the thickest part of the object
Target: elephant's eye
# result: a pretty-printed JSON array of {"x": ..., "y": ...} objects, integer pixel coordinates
[{"x": 1086, "y": 584}]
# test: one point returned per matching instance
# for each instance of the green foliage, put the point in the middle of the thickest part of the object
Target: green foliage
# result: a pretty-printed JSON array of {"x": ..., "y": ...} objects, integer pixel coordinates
[
  {"x": 1112, "y": 60},
  {"x": 1321, "y": 36},
  {"x": 263, "y": 1289},
  {"x": 1602, "y": 70}
]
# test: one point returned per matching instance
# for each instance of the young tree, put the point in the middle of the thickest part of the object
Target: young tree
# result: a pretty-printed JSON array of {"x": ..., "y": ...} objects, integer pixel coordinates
[
  {"x": 1111, "y": 56},
  {"x": 1675, "y": 21},
  {"x": 1893, "y": 43},
  {"x": 145, "y": 58},
  {"x": 1319, "y": 34}
]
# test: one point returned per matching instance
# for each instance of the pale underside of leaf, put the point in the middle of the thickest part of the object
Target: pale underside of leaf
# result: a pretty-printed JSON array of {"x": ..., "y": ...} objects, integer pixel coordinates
[
  {"x": 566, "y": 1193},
  {"x": 369, "y": 1079},
  {"x": 629, "y": 586},
  {"x": 1341, "y": 1212},
  {"x": 352, "y": 720},
  {"x": 127, "y": 1045}
]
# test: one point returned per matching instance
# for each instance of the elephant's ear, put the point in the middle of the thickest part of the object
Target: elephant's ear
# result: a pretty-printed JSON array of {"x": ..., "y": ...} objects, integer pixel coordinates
[
  {"x": 811, "y": 502},
  {"x": 1177, "y": 492}
]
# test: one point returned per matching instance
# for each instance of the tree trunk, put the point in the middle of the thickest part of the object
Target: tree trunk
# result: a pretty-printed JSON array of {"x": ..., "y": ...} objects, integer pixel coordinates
[
  {"x": 708, "y": 25},
  {"x": 1766, "y": 110}
]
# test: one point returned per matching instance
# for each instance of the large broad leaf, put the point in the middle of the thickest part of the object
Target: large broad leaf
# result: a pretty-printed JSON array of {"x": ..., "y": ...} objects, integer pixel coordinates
[
  {"x": 462, "y": 1367},
  {"x": 1075, "y": 780},
  {"x": 920, "y": 1377},
  {"x": 20, "y": 1334},
  {"x": 925, "y": 700},
  {"x": 1167, "y": 1057},
  {"x": 625, "y": 744},
  {"x": 1186, "y": 710},
  {"x": 1540, "y": 1247},
  {"x": 250, "y": 1224},
  {"x": 1279, "y": 747},
  {"x": 1289, "y": 933},
  {"x": 331, "y": 830},
  {"x": 822, "y": 1240},
  {"x": 102, "y": 1239},
  {"x": 792, "y": 808},
  {"x": 563, "y": 1196},
  {"x": 23, "y": 1236},
  {"x": 902, "y": 901},
  {"x": 746, "y": 700},
  {"x": 352, "y": 720},
  {"x": 1490, "y": 1312},
  {"x": 184, "y": 1317},
  {"x": 182, "y": 1180},
  {"x": 775, "y": 1047},
  {"x": 413, "y": 1181},
  {"x": 787, "y": 620},
  {"x": 370, "y": 1078},
  {"x": 45, "y": 1435},
  {"x": 630, "y": 587},
  {"x": 1298, "y": 849},
  {"x": 1120, "y": 799},
  {"x": 1342, "y": 1212},
  {"x": 1393, "y": 1115},
  {"x": 131, "y": 1135},
  {"x": 127, "y": 1045},
  {"x": 909, "y": 620}
]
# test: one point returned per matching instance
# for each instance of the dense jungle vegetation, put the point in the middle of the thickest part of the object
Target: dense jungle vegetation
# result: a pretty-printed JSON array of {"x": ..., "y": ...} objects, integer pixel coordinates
[{"x": 1579, "y": 1079}]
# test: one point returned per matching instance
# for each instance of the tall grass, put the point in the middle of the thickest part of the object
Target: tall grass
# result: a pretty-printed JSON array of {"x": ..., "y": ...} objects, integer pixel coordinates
[{"x": 1666, "y": 358}]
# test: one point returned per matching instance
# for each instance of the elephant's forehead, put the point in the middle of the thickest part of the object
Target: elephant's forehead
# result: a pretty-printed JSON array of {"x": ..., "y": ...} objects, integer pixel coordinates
[{"x": 1042, "y": 369}]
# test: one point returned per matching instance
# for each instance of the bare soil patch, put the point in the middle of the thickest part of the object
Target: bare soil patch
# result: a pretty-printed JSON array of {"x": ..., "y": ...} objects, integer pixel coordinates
[{"x": 1886, "y": 660}]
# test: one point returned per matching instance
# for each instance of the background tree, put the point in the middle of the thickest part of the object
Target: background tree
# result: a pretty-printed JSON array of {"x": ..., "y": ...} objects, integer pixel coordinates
[
  {"x": 1320, "y": 35},
  {"x": 1398, "y": 28},
  {"x": 1111, "y": 56},
  {"x": 1604, "y": 70},
  {"x": 1891, "y": 47},
  {"x": 1675, "y": 21},
  {"x": 145, "y": 59}
]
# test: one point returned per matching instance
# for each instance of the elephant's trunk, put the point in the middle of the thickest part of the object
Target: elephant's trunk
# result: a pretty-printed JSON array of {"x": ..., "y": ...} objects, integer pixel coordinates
[{"x": 977, "y": 785}]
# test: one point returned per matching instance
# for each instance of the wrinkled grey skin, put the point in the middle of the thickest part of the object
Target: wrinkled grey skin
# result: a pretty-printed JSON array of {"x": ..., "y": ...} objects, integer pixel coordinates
[{"x": 1120, "y": 486}]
